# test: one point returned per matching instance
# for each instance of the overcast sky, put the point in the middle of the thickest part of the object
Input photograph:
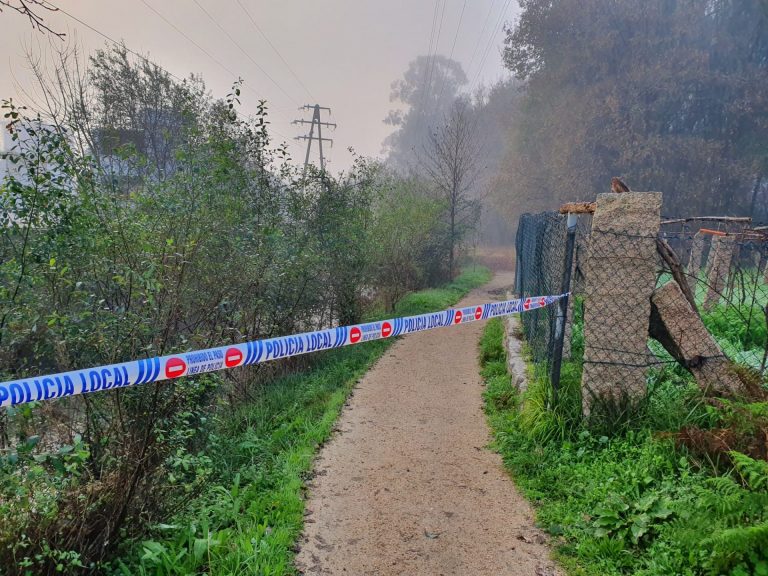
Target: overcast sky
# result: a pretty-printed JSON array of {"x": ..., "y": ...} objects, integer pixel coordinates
[{"x": 345, "y": 52}]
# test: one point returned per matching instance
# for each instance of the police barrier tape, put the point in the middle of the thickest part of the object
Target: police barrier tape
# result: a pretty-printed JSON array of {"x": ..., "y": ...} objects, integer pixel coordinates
[{"x": 247, "y": 353}]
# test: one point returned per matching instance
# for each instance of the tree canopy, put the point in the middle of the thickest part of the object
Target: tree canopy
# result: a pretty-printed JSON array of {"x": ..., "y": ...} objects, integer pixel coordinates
[{"x": 669, "y": 94}]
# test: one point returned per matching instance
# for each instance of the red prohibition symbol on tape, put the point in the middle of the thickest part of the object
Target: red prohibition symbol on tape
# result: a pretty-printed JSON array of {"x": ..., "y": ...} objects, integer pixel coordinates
[
  {"x": 527, "y": 304},
  {"x": 232, "y": 357},
  {"x": 542, "y": 301},
  {"x": 355, "y": 335},
  {"x": 478, "y": 313},
  {"x": 386, "y": 330},
  {"x": 457, "y": 318},
  {"x": 175, "y": 367}
]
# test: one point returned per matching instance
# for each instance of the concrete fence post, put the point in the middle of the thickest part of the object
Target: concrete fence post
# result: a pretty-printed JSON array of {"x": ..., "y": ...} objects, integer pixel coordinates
[
  {"x": 720, "y": 259},
  {"x": 694, "y": 261},
  {"x": 765, "y": 272},
  {"x": 621, "y": 277}
]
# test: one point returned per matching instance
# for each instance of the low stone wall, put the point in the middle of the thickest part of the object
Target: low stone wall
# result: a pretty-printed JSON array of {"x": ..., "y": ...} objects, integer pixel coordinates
[{"x": 516, "y": 367}]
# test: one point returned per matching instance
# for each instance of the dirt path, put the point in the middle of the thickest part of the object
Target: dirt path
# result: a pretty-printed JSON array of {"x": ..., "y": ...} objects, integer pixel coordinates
[{"x": 407, "y": 486}]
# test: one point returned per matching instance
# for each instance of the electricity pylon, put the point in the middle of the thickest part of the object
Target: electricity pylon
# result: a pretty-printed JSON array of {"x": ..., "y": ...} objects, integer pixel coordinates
[{"x": 316, "y": 121}]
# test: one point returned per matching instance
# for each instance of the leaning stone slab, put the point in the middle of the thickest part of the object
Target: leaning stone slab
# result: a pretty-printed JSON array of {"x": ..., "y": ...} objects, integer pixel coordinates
[
  {"x": 678, "y": 327},
  {"x": 620, "y": 278}
]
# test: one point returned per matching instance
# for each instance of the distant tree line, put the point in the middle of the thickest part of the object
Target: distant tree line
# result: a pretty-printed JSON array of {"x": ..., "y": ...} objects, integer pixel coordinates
[{"x": 668, "y": 94}]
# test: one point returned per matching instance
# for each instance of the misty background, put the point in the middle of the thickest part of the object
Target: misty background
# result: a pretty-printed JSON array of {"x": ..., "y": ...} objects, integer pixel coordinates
[
  {"x": 343, "y": 54},
  {"x": 669, "y": 96}
]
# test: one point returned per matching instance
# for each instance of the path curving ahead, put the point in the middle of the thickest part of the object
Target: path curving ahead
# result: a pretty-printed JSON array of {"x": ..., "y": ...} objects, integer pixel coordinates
[{"x": 407, "y": 485}]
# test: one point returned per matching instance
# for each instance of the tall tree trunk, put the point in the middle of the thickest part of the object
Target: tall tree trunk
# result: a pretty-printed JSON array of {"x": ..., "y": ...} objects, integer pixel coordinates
[{"x": 453, "y": 241}]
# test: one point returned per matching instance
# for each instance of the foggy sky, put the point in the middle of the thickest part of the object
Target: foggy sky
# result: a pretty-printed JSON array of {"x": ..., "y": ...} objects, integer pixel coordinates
[{"x": 346, "y": 52}]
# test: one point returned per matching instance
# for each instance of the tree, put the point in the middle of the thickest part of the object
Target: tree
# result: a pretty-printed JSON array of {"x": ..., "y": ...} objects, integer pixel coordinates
[
  {"x": 451, "y": 159},
  {"x": 425, "y": 93},
  {"x": 408, "y": 237},
  {"x": 667, "y": 93}
]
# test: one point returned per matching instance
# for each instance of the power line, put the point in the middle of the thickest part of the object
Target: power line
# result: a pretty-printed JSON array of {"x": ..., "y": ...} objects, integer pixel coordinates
[
  {"x": 458, "y": 27},
  {"x": 189, "y": 39},
  {"x": 204, "y": 51},
  {"x": 485, "y": 56},
  {"x": 263, "y": 35},
  {"x": 437, "y": 43},
  {"x": 480, "y": 36},
  {"x": 453, "y": 47},
  {"x": 115, "y": 42},
  {"x": 432, "y": 61},
  {"x": 133, "y": 52},
  {"x": 490, "y": 43},
  {"x": 429, "y": 53},
  {"x": 245, "y": 53}
]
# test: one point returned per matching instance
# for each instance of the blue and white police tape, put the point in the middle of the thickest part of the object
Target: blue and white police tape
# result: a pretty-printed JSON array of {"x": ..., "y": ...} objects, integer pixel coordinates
[{"x": 160, "y": 368}]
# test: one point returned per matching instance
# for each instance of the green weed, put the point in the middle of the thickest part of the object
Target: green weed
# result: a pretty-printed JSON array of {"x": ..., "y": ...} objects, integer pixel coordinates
[{"x": 629, "y": 501}]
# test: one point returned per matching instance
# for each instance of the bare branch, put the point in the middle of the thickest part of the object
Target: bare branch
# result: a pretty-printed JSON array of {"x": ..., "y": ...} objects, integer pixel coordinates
[
  {"x": 27, "y": 8},
  {"x": 451, "y": 160}
]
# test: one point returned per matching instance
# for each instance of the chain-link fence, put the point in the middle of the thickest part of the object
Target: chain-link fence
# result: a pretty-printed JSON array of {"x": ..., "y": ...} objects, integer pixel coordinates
[
  {"x": 692, "y": 296},
  {"x": 540, "y": 248},
  {"x": 541, "y": 245},
  {"x": 726, "y": 270}
]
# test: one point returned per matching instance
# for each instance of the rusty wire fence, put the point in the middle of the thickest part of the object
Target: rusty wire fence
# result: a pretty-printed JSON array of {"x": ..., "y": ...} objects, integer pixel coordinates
[{"x": 719, "y": 316}]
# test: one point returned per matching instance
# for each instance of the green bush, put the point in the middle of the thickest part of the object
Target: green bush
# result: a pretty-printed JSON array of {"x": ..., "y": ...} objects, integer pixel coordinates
[{"x": 165, "y": 221}]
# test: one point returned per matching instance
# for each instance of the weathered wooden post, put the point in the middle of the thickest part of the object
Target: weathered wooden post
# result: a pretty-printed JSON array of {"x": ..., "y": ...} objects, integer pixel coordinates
[{"x": 621, "y": 276}]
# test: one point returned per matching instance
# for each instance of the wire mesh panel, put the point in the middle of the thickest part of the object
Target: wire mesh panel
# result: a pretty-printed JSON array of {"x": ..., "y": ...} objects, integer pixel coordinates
[
  {"x": 691, "y": 296},
  {"x": 726, "y": 269},
  {"x": 541, "y": 258}
]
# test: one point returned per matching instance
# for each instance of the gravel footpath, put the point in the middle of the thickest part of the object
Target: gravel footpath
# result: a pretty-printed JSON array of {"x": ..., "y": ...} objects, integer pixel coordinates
[{"x": 407, "y": 485}]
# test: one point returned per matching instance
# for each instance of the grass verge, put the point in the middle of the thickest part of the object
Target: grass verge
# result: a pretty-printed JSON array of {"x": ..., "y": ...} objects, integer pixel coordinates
[
  {"x": 631, "y": 501},
  {"x": 248, "y": 519}
]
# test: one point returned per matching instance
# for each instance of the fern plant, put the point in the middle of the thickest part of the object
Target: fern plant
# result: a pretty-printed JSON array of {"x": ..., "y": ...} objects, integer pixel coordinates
[{"x": 733, "y": 510}]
